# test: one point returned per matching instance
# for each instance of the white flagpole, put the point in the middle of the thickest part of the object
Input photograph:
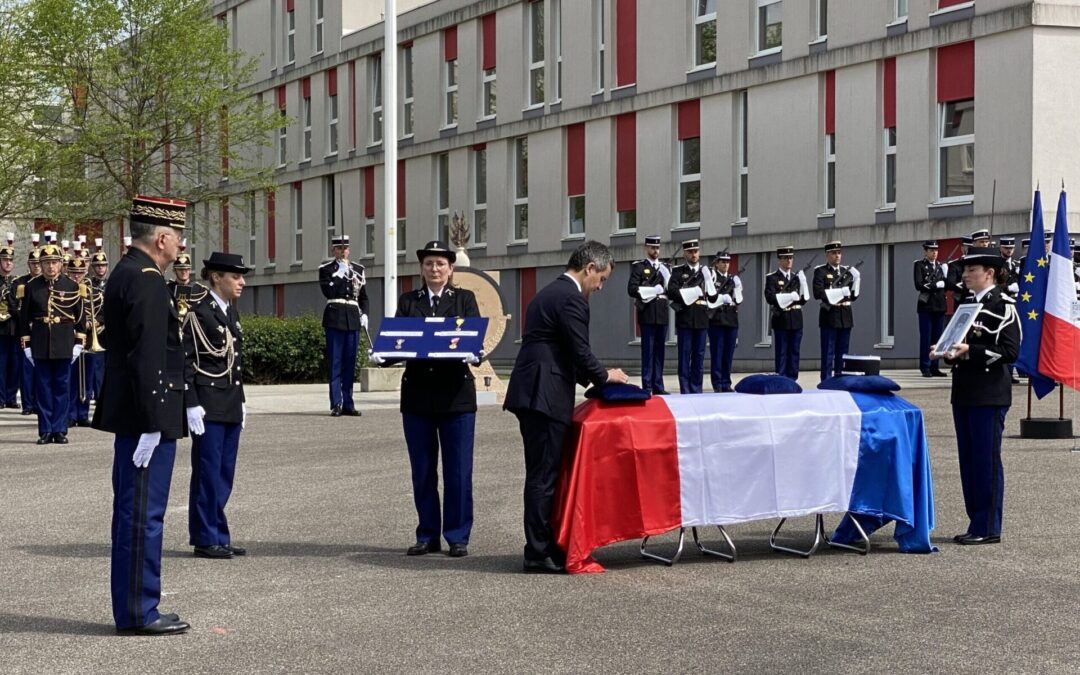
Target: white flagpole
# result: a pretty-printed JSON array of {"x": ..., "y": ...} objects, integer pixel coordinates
[{"x": 390, "y": 153}]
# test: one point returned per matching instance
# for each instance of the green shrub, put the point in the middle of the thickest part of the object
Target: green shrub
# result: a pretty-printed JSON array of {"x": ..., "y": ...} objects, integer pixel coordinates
[{"x": 288, "y": 351}]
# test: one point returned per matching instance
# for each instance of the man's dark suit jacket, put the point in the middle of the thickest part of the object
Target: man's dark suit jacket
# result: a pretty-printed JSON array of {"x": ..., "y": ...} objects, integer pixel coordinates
[{"x": 554, "y": 353}]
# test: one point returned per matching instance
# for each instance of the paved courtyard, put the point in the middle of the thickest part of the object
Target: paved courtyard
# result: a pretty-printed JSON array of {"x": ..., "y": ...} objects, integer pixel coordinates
[{"x": 324, "y": 507}]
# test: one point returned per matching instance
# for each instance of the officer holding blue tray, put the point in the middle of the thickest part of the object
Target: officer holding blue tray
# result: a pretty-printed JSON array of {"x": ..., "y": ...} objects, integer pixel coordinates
[{"x": 438, "y": 411}]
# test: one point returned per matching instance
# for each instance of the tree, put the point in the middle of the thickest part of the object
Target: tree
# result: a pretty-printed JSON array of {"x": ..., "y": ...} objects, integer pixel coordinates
[{"x": 154, "y": 102}]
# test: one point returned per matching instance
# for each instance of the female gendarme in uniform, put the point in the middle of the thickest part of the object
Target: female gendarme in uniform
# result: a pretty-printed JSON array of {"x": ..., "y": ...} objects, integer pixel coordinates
[
  {"x": 982, "y": 394},
  {"x": 215, "y": 402},
  {"x": 438, "y": 410}
]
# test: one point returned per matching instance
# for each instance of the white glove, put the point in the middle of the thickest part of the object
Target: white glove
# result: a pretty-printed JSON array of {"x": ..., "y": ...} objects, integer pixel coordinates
[
  {"x": 846, "y": 292},
  {"x": 363, "y": 320},
  {"x": 145, "y": 449},
  {"x": 340, "y": 273},
  {"x": 659, "y": 289},
  {"x": 29, "y": 355},
  {"x": 940, "y": 284},
  {"x": 243, "y": 415},
  {"x": 376, "y": 359},
  {"x": 725, "y": 299},
  {"x": 76, "y": 351},
  {"x": 472, "y": 360},
  {"x": 195, "y": 423},
  {"x": 1014, "y": 288}
]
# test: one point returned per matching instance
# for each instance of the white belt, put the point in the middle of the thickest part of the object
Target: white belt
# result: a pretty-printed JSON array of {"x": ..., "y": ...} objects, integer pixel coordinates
[{"x": 342, "y": 301}]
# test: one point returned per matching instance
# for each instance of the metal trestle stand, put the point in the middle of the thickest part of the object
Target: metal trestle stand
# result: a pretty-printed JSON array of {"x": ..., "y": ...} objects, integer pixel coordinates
[
  {"x": 730, "y": 557},
  {"x": 819, "y": 538}
]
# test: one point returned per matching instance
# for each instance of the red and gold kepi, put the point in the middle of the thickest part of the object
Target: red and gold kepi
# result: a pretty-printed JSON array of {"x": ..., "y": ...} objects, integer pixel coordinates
[
  {"x": 50, "y": 252},
  {"x": 159, "y": 211}
]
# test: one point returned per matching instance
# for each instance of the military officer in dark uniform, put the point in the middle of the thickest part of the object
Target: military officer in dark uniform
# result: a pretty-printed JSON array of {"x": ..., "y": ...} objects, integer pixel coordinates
[
  {"x": 836, "y": 286},
  {"x": 99, "y": 274},
  {"x": 438, "y": 412},
  {"x": 954, "y": 281},
  {"x": 647, "y": 286},
  {"x": 786, "y": 292},
  {"x": 982, "y": 394},
  {"x": 345, "y": 287},
  {"x": 690, "y": 290},
  {"x": 724, "y": 322},
  {"x": 930, "y": 283},
  {"x": 26, "y": 368},
  {"x": 142, "y": 403},
  {"x": 11, "y": 356},
  {"x": 79, "y": 386},
  {"x": 53, "y": 337},
  {"x": 1006, "y": 247},
  {"x": 215, "y": 402},
  {"x": 180, "y": 286}
]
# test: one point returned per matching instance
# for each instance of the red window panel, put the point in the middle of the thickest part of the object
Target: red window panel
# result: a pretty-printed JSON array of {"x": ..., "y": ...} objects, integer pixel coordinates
[
  {"x": 734, "y": 267},
  {"x": 479, "y": 146},
  {"x": 689, "y": 119},
  {"x": 830, "y": 102},
  {"x": 942, "y": 4},
  {"x": 352, "y": 104},
  {"x": 888, "y": 93},
  {"x": 305, "y": 86},
  {"x": 279, "y": 300},
  {"x": 487, "y": 27},
  {"x": 281, "y": 98},
  {"x": 401, "y": 188},
  {"x": 369, "y": 192},
  {"x": 625, "y": 42},
  {"x": 271, "y": 225},
  {"x": 527, "y": 291},
  {"x": 290, "y": 5},
  {"x": 626, "y": 162},
  {"x": 42, "y": 224},
  {"x": 405, "y": 284},
  {"x": 575, "y": 159},
  {"x": 956, "y": 72},
  {"x": 331, "y": 82},
  {"x": 225, "y": 225},
  {"x": 92, "y": 229},
  {"x": 450, "y": 43}
]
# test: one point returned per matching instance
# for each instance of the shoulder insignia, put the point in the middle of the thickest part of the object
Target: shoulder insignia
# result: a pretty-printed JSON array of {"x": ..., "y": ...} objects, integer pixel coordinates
[
  {"x": 1008, "y": 298},
  {"x": 327, "y": 262},
  {"x": 20, "y": 291},
  {"x": 152, "y": 269},
  {"x": 819, "y": 267}
]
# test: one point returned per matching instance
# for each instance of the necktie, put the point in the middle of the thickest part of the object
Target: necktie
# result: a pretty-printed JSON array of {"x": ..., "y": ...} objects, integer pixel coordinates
[{"x": 434, "y": 303}]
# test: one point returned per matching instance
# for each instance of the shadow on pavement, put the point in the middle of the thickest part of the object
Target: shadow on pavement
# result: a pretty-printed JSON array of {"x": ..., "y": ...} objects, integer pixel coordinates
[{"x": 19, "y": 623}]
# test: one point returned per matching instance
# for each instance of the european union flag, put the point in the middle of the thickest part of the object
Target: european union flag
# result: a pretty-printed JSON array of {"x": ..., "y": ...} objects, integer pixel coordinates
[{"x": 1031, "y": 301}]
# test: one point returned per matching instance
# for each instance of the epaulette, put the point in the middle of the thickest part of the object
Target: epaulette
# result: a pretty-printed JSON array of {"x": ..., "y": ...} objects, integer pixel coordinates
[
  {"x": 637, "y": 262},
  {"x": 152, "y": 269},
  {"x": 1007, "y": 298},
  {"x": 327, "y": 262},
  {"x": 820, "y": 266}
]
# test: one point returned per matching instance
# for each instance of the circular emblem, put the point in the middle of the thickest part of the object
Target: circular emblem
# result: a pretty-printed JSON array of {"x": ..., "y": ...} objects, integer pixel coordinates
[{"x": 646, "y": 271}]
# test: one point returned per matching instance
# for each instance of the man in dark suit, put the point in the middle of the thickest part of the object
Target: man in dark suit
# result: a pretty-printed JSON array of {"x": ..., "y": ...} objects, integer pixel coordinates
[
  {"x": 786, "y": 292},
  {"x": 344, "y": 286},
  {"x": 142, "y": 403},
  {"x": 929, "y": 277},
  {"x": 836, "y": 286},
  {"x": 647, "y": 286},
  {"x": 554, "y": 354}
]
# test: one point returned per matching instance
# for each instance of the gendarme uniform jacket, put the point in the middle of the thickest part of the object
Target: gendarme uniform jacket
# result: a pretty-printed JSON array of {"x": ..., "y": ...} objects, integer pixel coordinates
[
  {"x": 143, "y": 389},
  {"x": 645, "y": 273},
  {"x": 789, "y": 318},
  {"x": 51, "y": 333},
  {"x": 8, "y": 326},
  {"x": 728, "y": 287},
  {"x": 431, "y": 387},
  {"x": 931, "y": 298},
  {"x": 838, "y": 315},
  {"x": 696, "y": 315},
  {"x": 346, "y": 297},
  {"x": 982, "y": 378},
  {"x": 213, "y": 340},
  {"x": 954, "y": 281}
]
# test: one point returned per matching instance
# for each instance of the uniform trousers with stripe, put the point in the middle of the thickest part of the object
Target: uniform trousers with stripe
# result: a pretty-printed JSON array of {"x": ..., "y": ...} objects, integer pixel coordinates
[
  {"x": 978, "y": 441},
  {"x": 341, "y": 356},
  {"x": 51, "y": 382},
  {"x": 213, "y": 467}
]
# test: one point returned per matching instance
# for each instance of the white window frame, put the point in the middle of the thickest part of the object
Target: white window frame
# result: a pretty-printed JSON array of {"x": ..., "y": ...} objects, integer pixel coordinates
[
  {"x": 556, "y": 27},
  {"x": 571, "y": 201},
  {"x": 828, "y": 191},
  {"x": 329, "y": 190},
  {"x": 408, "y": 97},
  {"x": 306, "y": 106},
  {"x": 599, "y": 44},
  {"x": 479, "y": 207},
  {"x": 290, "y": 38},
  {"x": 888, "y": 143},
  {"x": 402, "y": 236},
  {"x": 488, "y": 94},
  {"x": 253, "y": 228},
  {"x": 375, "y": 76},
  {"x": 967, "y": 139},
  {"x": 535, "y": 70},
  {"x": 743, "y": 143},
  {"x": 900, "y": 10},
  {"x": 886, "y": 253},
  {"x": 701, "y": 21},
  {"x": 442, "y": 197},
  {"x": 450, "y": 93},
  {"x": 332, "y": 114},
  {"x": 297, "y": 203},
  {"x": 318, "y": 10},
  {"x": 283, "y": 141},
  {"x": 521, "y": 201},
  {"x": 821, "y": 21},
  {"x": 685, "y": 179},
  {"x": 765, "y": 337},
  {"x": 369, "y": 237},
  {"x": 760, "y": 9}
]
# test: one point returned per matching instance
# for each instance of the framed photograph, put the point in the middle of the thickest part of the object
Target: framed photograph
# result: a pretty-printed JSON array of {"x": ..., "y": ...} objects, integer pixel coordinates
[{"x": 958, "y": 327}]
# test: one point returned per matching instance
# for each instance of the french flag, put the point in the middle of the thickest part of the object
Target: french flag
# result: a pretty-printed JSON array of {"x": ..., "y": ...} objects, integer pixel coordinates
[{"x": 1059, "y": 351}]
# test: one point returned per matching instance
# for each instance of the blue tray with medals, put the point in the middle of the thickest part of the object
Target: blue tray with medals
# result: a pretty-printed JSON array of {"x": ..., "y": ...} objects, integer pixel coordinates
[{"x": 450, "y": 338}]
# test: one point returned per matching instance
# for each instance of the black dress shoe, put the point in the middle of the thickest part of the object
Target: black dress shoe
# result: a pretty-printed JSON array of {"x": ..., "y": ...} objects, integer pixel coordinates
[
  {"x": 975, "y": 540},
  {"x": 82, "y": 423},
  {"x": 927, "y": 374},
  {"x": 165, "y": 625},
  {"x": 335, "y": 412},
  {"x": 60, "y": 438},
  {"x": 350, "y": 413},
  {"x": 660, "y": 392},
  {"x": 236, "y": 550},
  {"x": 1016, "y": 380},
  {"x": 423, "y": 547},
  {"x": 215, "y": 551},
  {"x": 44, "y": 439},
  {"x": 13, "y": 405},
  {"x": 458, "y": 551},
  {"x": 545, "y": 566},
  {"x": 938, "y": 373},
  {"x": 27, "y": 412}
]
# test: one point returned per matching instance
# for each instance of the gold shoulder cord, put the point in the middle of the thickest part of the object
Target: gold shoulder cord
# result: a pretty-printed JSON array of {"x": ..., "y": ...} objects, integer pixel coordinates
[
  {"x": 203, "y": 347},
  {"x": 64, "y": 305}
]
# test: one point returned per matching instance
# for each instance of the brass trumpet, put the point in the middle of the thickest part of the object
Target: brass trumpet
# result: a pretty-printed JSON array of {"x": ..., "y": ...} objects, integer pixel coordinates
[{"x": 95, "y": 345}]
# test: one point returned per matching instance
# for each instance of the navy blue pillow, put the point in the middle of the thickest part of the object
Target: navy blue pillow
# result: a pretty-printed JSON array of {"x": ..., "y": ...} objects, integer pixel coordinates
[
  {"x": 617, "y": 392},
  {"x": 768, "y": 384},
  {"x": 866, "y": 384}
]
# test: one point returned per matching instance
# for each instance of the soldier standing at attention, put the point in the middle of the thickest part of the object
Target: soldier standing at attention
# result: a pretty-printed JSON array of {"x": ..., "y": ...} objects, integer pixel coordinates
[
  {"x": 345, "y": 287},
  {"x": 786, "y": 292},
  {"x": 26, "y": 368},
  {"x": 724, "y": 322},
  {"x": 836, "y": 286},
  {"x": 930, "y": 283},
  {"x": 690, "y": 290},
  {"x": 647, "y": 286},
  {"x": 99, "y": 273},
  {"x": 10, "y": 355}
]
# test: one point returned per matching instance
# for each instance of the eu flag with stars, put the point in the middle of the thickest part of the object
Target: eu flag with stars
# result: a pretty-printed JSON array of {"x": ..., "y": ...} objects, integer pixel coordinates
[{"x": 1031, "y": 300}]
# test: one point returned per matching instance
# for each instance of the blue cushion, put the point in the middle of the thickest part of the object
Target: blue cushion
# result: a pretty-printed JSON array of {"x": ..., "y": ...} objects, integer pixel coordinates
[
  {"x": 768, "y": 384},
  {"x": 867, "y": 384},
  {"x": 616, "y": 392}
]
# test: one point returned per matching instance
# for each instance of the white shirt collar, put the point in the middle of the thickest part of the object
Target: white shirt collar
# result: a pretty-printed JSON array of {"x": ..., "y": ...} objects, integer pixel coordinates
[
  {"x": 431, "y": 294},
  {"x": 224, "y": 306},
  {"x": 981, "y": 294},
  {"x": 571, "y": 277}
]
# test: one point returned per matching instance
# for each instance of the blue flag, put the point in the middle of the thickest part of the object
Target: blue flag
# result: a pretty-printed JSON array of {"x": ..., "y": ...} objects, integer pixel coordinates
[{"x": 1030, "y": 301}]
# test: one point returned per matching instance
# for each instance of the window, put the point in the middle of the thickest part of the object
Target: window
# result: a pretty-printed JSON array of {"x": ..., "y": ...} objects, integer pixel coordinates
[
  {"x": 487, "y": 68},
  {"x": 690, "y": 181},
  {"x": 479, "y": 166},
  {"x": 744, "y": 155},
  {"x": 407, "y": 99},
  {"x": 821, "y": 18},
  {"x": 369, "y": 210},
  {"x": 536, "y": 52},
  {"x": 329, "y": 190},
  {"x": 332, "y": 124},
  {"x": 320, "y": 21},
  {"x": 298, "y": 222},
  {"x": 704, "y": 32},
  {"x": 521, "y": 190},
  {"x": 887, "y": 301},
  {"x": 401, "y": 236},
  {"x": 450, "y": 86},
  {"x": 889, "y": 173},
  {"x": 271, "y": 226},
  {"x": 556, "y": 25},
  {"x": 765, "y": 311},
  {"x": 488, "y": 93},
  {"x": 369, "y": 236},
  {"x": 956, "y": 165},
  {"x": 901, "y": 10},
  {"x": 626, "y": 171},
  {"x": 306, "y": 103},
  {"x": 283, "y": 130},
  {"x": 253, "y": 228},
  {"x": 575, "y": 178},
  {"x": 290, "y": 36},
  {"x": 442, "y": 207},
  {"x": 599, "y": 36},
  {"x": 770, "y": 25},
  {"x": 375, "y": 77},
  {"x": 829, "y": 187}
]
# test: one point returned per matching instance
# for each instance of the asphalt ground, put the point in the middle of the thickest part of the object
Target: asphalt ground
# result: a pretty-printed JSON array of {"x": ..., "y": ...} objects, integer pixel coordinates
[{"x": 325, "y": 509}]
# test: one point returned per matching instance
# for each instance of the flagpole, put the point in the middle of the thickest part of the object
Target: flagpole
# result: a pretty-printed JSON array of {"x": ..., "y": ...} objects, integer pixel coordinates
[{"x": 390, "y": 153}]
